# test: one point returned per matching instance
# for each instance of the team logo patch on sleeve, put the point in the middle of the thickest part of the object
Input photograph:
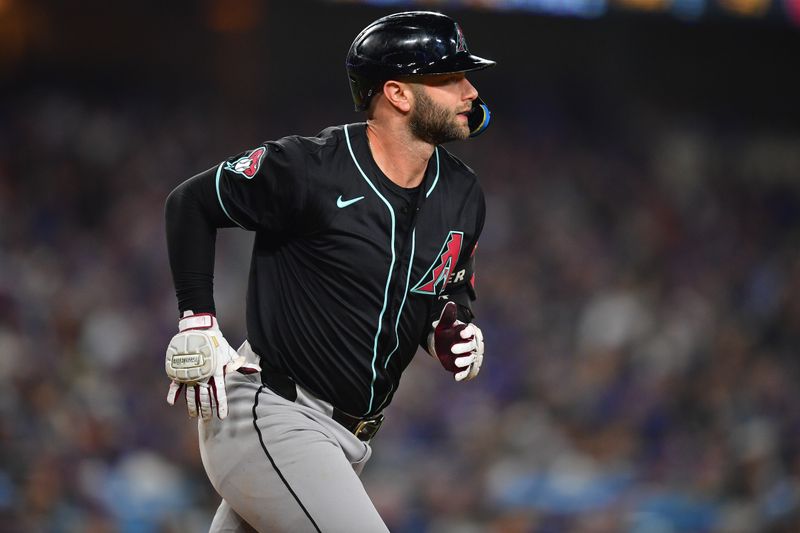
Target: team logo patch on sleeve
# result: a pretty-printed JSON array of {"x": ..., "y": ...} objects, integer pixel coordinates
[
  {"x": 249, "y": 164},
  {"x": 438, "y": 275}
]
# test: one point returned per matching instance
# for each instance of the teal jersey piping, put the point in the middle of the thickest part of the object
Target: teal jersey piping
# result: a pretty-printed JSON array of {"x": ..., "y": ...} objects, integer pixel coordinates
[
  {"x": 219, "y": 197},
  {"x": 399, "y": 314},
  {"x": 388, "y": 277},
  {"x": 405, "y": 295},
  {"x": 436, "y": 179}
]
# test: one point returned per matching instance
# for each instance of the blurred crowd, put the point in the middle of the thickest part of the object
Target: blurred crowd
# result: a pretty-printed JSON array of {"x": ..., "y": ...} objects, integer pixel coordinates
[{"x": 639, "y": 291}]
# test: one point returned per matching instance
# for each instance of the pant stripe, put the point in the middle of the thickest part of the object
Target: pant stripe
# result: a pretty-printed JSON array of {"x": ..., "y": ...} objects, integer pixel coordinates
[{"x": 274, "y": 466}]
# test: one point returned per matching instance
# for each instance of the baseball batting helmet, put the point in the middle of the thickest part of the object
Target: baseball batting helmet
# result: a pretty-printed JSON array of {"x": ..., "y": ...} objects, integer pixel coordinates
[{"x": 411, "y": 43}]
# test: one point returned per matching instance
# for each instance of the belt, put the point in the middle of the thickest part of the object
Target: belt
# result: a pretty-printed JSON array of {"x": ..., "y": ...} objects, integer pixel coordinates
[{"x": 363, "y": 428}]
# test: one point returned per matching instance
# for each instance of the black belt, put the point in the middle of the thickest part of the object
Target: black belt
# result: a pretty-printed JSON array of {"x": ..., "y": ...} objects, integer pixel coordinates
[{"x": 363, "y": 428}]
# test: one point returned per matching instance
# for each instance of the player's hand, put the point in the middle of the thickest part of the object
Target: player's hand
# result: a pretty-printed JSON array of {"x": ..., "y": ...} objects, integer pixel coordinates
[
  {"x": 198, "y": 358},
  {"x": 458, "y": 346}
]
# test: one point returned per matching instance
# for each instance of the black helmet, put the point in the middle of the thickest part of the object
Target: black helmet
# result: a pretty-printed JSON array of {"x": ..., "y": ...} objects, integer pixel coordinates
[{"x": 403, "y": 44}]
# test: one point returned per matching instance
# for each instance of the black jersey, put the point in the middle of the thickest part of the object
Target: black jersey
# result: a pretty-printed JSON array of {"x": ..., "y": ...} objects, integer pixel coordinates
[{"x": 348, "y": 267}]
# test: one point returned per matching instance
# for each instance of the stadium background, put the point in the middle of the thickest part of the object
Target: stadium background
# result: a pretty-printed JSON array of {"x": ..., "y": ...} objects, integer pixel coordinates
[{"x": 639, "y": 274}]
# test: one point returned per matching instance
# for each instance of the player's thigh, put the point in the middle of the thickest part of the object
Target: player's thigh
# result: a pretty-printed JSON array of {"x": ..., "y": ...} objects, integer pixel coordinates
[
  {"x": 324, "y": 485},
  {"x": 281, "y": 471},
  {"x": 227, "y": 521}
]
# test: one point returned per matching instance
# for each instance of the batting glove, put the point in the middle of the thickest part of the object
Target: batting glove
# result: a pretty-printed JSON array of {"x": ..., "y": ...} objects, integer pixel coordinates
[
  {"x": 198, "y": 358},
  {"x": 458, "y": 346}
]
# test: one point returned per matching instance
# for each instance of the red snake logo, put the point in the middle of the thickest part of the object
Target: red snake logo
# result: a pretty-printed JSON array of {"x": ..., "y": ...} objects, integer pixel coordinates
[
  {"x": 248, "y": 165},
  {"x": 440, "y": 270}
]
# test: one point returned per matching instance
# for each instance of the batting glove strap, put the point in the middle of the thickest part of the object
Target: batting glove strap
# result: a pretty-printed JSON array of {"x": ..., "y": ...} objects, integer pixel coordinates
[{"x": 198, "y": 321}]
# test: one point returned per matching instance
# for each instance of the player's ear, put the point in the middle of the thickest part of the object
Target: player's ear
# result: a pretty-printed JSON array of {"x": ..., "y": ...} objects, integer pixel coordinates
[{"x": 398, "y": 94}]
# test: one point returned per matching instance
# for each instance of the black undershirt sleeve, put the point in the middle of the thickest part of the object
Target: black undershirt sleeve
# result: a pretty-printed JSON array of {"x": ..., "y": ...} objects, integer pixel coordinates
[{"x": 193, "y": 215}]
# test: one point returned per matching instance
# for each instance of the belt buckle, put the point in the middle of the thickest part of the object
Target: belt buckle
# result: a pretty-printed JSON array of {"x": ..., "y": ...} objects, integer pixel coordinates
[{"x": 366, "y": 429}]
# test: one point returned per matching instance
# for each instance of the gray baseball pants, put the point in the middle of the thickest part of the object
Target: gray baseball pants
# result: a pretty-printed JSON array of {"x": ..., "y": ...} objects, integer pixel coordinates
[{"x": 283, "y": 466}]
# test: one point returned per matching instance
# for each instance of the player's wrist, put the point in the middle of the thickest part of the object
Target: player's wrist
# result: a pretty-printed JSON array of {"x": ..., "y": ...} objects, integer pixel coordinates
[{"x": 197, "y": 321}]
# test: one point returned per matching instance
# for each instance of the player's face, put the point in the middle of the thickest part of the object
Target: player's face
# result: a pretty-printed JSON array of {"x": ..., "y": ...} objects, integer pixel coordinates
[{"x": 441, "y": 106}]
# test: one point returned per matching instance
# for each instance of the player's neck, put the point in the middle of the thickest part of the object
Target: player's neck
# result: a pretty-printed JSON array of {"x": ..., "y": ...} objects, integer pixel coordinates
[{"x": 398, "y": 154}]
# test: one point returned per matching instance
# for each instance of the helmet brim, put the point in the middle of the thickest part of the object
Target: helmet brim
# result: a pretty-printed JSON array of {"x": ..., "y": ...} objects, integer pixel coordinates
[{"x": 461, "y": 62}]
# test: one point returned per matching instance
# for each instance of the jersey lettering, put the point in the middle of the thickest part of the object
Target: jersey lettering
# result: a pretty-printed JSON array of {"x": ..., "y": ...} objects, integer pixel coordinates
[{"x": 439, "y": 272}]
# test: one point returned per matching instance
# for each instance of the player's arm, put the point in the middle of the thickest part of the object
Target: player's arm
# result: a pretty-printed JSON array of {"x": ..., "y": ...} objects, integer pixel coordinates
[
  {"x": 199, "y": 356},
  {"x": 262, "y": 189},
  {"x": 192, "y": 217},
  {"x": 459, "y": 289},
  {"x": 249, "y": 191},
  {"x": 452, "y": 336}
]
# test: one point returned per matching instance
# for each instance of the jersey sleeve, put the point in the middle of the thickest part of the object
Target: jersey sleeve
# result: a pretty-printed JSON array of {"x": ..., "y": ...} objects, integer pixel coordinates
[{"x": 263, "y": 189}]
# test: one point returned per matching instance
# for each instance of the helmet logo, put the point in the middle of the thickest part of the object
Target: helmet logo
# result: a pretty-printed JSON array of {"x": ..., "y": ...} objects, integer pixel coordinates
[{"x": 461, "y": 43}]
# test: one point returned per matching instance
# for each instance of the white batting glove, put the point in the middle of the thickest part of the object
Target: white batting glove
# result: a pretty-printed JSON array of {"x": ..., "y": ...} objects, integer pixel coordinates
[
  {"x": 475, "y": 348},
  {"x": 458, "y": 346},
  {"x": 198, "y": 358}
]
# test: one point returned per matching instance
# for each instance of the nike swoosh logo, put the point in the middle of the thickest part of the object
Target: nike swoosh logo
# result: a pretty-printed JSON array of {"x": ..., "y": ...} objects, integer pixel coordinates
[{"x": 344, "y": 203}]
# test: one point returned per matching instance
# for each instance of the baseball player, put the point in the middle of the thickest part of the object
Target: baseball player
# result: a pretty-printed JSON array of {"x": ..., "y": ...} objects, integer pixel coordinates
[{"x": 364, "y": 244}]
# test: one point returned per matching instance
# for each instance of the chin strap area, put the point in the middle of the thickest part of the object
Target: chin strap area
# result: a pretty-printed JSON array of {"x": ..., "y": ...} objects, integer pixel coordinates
[{"x": 479, "y": 117}]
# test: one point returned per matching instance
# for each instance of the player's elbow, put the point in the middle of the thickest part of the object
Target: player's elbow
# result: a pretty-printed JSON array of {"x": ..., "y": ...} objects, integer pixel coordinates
[
  {"x": 184, "y": 198},
  {"x": 182, "y": 206},
  {"x": 195, "y": 197},
  {"x": 175, "y": 200},
  {"x": 172, "y": 206}
]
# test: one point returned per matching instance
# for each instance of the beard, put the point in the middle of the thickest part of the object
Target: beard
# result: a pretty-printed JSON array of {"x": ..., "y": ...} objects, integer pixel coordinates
[{"x": 433, "y": 123}]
